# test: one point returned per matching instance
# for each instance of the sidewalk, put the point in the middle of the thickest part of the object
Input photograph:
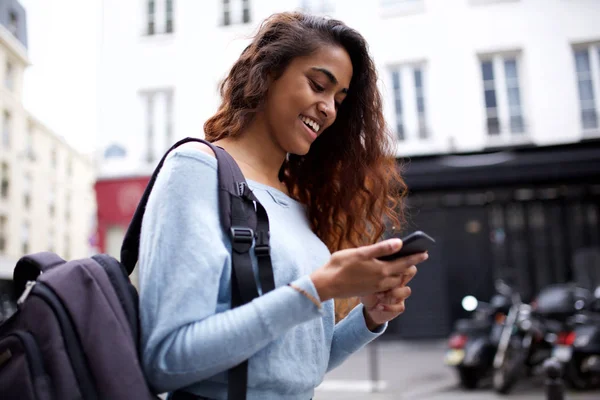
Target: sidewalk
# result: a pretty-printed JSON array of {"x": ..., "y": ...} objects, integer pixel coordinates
[
  {"x": 415, "y": 371},
  {"x": 405, "y": 369}
]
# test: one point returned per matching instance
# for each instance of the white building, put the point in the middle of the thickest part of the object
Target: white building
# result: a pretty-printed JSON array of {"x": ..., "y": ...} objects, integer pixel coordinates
[
  {"x": 496, "y": 102},
  {"x": 47, "y": 198},
  {"x": 457, "y": 75}
]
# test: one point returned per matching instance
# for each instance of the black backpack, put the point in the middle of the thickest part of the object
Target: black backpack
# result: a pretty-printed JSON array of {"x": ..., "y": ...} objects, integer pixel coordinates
[{"x": 75, "y": 334}]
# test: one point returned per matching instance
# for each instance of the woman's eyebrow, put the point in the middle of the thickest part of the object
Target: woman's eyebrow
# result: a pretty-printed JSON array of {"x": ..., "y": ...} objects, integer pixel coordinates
[{"x": 330, "y": 76}]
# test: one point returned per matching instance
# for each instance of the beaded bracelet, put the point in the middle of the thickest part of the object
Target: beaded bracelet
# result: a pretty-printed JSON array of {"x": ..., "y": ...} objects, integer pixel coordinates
[{"x": 307, "y": 295}]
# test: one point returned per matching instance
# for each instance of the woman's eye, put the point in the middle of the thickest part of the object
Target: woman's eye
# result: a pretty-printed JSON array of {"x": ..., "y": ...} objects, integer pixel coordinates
[{"x": 317, "y": 87}]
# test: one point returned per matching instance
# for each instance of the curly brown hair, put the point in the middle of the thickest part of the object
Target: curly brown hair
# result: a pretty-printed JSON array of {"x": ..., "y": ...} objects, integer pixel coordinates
[{"x": 349, "y": 179}]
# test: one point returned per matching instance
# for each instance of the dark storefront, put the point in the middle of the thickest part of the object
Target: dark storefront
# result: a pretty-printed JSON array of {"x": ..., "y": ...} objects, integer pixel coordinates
[{"x": 529, "y": 216}]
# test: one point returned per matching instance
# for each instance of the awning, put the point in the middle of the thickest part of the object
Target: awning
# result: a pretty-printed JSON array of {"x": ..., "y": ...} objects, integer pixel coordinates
[{"x": 534, "y": 165}]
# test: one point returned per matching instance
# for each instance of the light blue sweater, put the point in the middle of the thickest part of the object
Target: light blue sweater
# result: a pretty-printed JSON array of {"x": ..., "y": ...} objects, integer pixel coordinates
[{"x": 190, "y": 334}]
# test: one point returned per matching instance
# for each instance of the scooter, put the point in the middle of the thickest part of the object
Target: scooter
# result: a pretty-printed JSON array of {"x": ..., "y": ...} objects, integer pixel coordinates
[{"x": 473, "y": 343}]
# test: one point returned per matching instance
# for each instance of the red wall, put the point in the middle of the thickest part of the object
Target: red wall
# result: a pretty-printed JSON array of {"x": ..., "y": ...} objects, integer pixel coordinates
[{"x": 117, "y": 200}]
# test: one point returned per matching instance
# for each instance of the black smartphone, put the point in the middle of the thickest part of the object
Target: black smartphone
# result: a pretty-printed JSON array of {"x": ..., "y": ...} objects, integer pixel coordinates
[{"x": 416, "y": 242}]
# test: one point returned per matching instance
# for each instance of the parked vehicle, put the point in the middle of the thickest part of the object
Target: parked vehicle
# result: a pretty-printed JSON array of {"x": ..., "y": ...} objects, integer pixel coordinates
[
  {"x": 533, "y": 333},
  {"x": 473, "y": 342},
  {"x": 582, "y": 362}
]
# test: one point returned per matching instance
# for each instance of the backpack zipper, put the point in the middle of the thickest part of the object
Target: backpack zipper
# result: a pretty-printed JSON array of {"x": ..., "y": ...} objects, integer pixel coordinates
[{"x": 28, "y": 287}]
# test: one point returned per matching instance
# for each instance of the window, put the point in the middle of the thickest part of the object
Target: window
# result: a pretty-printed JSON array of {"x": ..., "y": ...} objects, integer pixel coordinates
[
  {"x": 9, "y": 78},
  {"x": 67, "y": 252},
  {"x": 51, "y": 244},
  {"x": 5, "y": 183},
  {"x": 69, "y": 167},
  {"x": 29, "y": 142},
  {"x": 245, "y": 11},
  {"x": 68, "y": 208},
  {"x": 169, "y": 118},
  {"x": 408, "y": 83},
  {"x": 6, "y": 126},
  {"x": 3, "y": 233},
  {"x": 587, "y": 67},
  {"x": 52, "y": 200},
  {"x": 236, "y": 12},
  {"x": 13, "y": 23},
  {"x": 226, "y": 12},
  {"x": 159, "y": 17},
  {"x": 53, "y": 159},
  {"x": 25, "y": 238},
  {"x": 398, "y": 104},
  {"x": 27, "y": 191},
  {"x": 150, "y": 25},
  {"x": 158, "y": 124},
  {"x": 150, "y": 129},
  {"x": 115, "y": 151},
  {"x": 169, "y": 16},
  {"x": 420, "y": 98},
  {"x": 502, "y": 95},
  {"x": 317, "y": 6}
]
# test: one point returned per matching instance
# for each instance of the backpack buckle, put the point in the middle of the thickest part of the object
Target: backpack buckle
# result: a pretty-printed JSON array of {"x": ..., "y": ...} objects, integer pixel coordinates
[
  {"x": 241, "y": 239},
  {"x": 261, "y": 247}
]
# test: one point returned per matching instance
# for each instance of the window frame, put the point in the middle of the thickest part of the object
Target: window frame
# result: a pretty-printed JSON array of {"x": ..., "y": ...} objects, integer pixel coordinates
[
  {"x": 408, "y": 97},
  {"x": 593, "y": 53},
  {"x": 506, "y": 132}
]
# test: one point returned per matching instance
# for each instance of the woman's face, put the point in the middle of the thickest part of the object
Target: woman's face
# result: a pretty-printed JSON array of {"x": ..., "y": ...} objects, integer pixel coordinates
[{"x": 304, "y": 100}]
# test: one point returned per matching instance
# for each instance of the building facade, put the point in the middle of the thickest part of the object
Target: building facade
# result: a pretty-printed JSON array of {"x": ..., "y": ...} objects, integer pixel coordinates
[
  {"x": 457, "y": 76},
  {"x": 46, "y": 188},
  {"x": 468, "y": 86}
]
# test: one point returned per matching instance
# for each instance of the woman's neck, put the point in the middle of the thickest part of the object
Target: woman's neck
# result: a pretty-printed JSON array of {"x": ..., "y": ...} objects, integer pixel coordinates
[{"x": 258, "y": 157}]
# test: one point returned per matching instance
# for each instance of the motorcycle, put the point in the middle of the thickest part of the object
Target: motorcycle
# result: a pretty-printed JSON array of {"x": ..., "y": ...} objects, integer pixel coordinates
[
  {"x": 533, "y": 333},
  {"x": 472, "y": 344},
  {"x": 581, "y": 361}
]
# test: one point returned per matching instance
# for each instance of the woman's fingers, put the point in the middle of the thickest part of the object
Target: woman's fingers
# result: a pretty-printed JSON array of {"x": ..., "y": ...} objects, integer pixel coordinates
[
  {"x": 400, "y": 267},
  {"x": 398, "y": 308},
  {"x": 409, "y": 275},
  {"x": 383, "y": 248},
  {"x": 394, "y": 296}
]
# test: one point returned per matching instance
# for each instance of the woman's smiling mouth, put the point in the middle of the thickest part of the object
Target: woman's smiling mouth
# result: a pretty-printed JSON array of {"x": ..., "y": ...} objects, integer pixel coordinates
[{"x": 311, "y": 123}]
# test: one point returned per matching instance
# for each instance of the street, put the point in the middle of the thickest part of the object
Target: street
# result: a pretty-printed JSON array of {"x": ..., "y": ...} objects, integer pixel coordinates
[{"x": 414, "y": 370}]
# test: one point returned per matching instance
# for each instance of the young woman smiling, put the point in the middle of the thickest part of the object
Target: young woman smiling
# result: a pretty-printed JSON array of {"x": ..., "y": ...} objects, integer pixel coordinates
[{"x": 301, "y": 115}]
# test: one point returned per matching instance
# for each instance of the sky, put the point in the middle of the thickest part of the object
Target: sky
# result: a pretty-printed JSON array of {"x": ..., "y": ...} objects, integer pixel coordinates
[{"x": 59, "y": 88}]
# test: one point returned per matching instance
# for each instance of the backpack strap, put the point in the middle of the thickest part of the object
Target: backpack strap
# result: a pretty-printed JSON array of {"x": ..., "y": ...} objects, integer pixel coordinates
[
  {"x": 243, "y": 213},
  {"x": 247, "y": 222},
  {"x": 29, "y": 267}
]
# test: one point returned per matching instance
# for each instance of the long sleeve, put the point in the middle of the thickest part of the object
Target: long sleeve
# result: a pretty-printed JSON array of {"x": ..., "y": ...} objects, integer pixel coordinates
[
  {"x": 350, "y": 335},
  {"x": 188, "y": 331}
]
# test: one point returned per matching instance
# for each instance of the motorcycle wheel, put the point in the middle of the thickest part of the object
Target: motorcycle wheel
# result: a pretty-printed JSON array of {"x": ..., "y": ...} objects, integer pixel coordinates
[
  {"x": 505, "y": 377},
  {"x": 469, "y": 377},
  {"x": 575, "y": 378}
]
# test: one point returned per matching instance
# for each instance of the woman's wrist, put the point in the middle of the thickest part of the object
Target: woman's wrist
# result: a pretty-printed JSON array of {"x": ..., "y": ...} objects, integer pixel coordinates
[
  {"x": 322, "y": 285},
  {"x": 371, "y": 325}
]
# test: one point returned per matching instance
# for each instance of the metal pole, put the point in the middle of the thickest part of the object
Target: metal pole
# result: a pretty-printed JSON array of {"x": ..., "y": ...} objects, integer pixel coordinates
[
  {"x": 374, "y": 366},
  {"x": 555, "y": 389}
]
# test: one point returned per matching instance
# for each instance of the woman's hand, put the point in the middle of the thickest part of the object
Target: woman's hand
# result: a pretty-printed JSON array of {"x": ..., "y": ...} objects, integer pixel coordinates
[
  {"x": 357, "y": 272},
  {"x": 382, "y": 307}
]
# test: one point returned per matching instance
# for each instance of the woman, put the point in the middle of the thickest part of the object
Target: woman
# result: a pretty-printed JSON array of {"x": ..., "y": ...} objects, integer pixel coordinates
[{"x": 301, "y": 115}]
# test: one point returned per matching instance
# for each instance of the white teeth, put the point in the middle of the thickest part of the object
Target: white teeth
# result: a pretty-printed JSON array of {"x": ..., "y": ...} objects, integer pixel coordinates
[{"x": 312, "y": 124}]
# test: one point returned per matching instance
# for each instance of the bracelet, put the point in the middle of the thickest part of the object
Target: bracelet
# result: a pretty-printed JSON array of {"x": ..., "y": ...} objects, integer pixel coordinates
[{"x": 307, "y": 295}]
